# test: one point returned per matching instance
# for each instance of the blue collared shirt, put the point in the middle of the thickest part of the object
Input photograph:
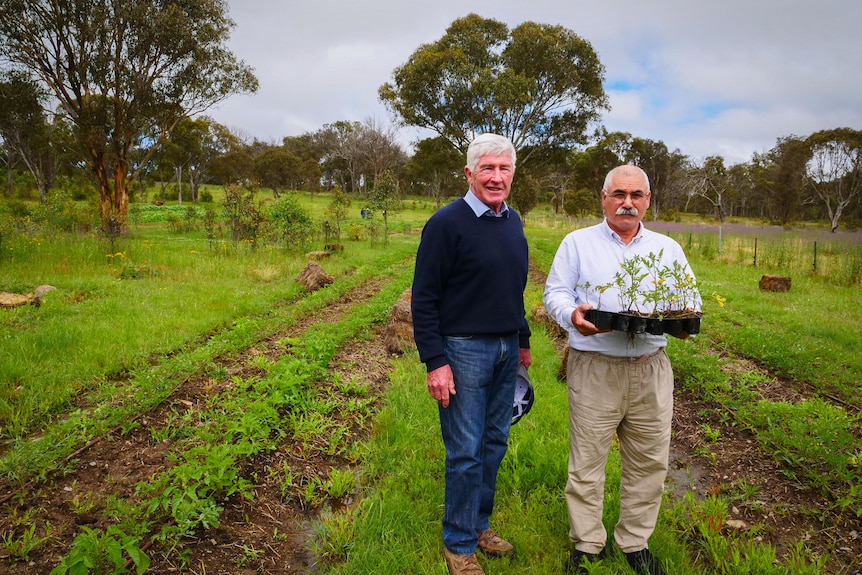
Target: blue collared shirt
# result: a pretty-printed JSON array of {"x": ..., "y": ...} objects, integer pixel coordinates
[{"x": 481, "y": 209}]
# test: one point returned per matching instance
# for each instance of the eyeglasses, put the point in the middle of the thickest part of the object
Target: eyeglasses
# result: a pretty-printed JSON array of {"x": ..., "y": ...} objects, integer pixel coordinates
[{"x": 620, "y": 196}]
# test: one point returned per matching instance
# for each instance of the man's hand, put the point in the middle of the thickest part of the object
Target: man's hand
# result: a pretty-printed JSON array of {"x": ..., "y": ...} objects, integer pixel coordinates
[
  {"x": 525, "y": 358},
  {"x": 583, "y": 326},
  {"x": 441, "y": 384}
]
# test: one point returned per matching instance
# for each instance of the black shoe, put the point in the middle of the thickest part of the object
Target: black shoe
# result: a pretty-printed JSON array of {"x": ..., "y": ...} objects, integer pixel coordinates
[
  {"x": 576, "y": 559},
  {"x": 644, "y": 563}
]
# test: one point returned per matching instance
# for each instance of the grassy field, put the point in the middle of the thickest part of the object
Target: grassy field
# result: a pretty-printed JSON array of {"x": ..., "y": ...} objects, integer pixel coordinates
[{"x": 132, "y": 322}]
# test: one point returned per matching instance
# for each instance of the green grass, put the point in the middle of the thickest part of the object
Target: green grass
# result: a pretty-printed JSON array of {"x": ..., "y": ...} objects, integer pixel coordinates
[
  {"x": 130, "y": 321},
  {"x": 530, "y": 505}
]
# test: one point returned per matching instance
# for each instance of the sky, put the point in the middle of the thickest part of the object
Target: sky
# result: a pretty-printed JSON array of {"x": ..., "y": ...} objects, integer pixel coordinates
[{"x": 716, "y": 77}]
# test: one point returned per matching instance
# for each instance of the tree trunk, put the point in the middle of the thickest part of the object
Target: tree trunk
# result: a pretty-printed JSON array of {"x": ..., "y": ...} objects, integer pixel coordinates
[
  {"x": 113, "y": 201},
  {"x": 10, "y": 174},
  {"x": 121, "y": 195}
]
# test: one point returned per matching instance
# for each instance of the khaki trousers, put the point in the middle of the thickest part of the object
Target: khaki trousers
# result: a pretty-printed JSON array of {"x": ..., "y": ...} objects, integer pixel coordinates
[{"x": 632, "y": 397}]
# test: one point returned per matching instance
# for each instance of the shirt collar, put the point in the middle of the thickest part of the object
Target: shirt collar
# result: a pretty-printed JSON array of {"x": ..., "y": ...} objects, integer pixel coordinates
[
  {"x": 481, "y": 209},
  {"x": 613, "y": 235}
]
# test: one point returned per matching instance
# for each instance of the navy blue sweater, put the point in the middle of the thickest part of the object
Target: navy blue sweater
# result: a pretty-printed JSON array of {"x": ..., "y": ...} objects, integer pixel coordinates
[{"x": 469, "y": 279}]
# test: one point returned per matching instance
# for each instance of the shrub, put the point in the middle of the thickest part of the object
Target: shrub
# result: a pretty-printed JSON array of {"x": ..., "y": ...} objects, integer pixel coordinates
[{"x": 291, "y": 223}]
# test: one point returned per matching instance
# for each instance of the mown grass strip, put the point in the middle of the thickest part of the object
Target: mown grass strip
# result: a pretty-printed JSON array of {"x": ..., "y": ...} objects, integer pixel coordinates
[
  {"x": 118, "y": 403},
  {"x": 396, "y": 527},
  {"x": 249, "y": 419}
]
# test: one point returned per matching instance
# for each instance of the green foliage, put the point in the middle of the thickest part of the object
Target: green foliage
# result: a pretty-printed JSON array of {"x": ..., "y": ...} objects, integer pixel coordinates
[
  {"x": 669, "y": 215},
  {"x": 190, "y": 491},
  {"x": 335, "y": 533},
  {"x": 102, "y": 552},
  {"x": 58, "y": 212},
  {"x": 276, "y": 167},
  {"x": 339, "y": 484},
  {"x": 153, "y": 214},
  {"x": 357, "y": 232},
  {"x": 336, "y": 213},
  {"x": 132, "y": 271},
  {"x": 543, "y": 82},
  {"x": 150, "y": 330},
  {"x": 243, "y": 217},
  {"x": 292, "y": 224},
  {"x": 182, "y": 52},
  {"x": 77, "y": 187},
  {"x": 729, "y": 552},
  {"x": 20, "y": 547},
  {"x": 383, "y": 199},
  {"x": 814, "y": 437},
  {"x": 580, "y": 203},
  {"x": 525, "y": 195}
]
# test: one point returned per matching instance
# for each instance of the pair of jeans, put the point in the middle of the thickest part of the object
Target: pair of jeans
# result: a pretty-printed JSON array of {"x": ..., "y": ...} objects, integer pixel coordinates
[{"x": 475, "y": 429}]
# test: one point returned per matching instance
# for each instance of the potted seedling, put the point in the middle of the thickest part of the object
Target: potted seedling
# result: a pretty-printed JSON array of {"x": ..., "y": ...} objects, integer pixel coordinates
[
  {"x": 667, "y": 305},
  {"x": 600, "y": 318}
]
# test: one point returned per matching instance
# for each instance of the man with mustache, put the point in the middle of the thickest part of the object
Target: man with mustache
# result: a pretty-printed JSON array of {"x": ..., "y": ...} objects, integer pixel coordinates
[{"x": 618, "y": 383}]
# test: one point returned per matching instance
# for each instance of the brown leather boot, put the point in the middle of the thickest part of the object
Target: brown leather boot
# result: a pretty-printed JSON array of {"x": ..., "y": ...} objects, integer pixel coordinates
[
  {"x": 493, "y": 545},
  {"x": 462, "y": 564}
]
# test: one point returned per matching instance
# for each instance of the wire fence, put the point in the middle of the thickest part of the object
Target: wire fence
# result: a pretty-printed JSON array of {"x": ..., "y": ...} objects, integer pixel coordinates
[{"x": 837, "y": 259}]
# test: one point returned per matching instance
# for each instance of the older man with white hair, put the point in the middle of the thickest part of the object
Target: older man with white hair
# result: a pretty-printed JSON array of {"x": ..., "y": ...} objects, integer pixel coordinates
[{"x": 471, "y": 330}]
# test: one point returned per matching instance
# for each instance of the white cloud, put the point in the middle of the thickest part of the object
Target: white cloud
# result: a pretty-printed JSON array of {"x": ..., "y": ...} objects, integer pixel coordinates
[{"x": 724, "y": 78}]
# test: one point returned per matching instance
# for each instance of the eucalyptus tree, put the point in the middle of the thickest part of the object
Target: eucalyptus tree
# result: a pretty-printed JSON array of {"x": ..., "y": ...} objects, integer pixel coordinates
[
  {"x": 357, "y": 153},
  {"x": 547, "y": 177},
  {"x": 378, "y": 148},
  {"x": 591, "y": 165},
  {"x": 661, "y": 165},
  {"x": 834, "y": 171},
  {"x": 25, "y": 130},
  {"x": 709, "y": 180},
  {"x": 193, "y": 145},
  {"x": 124, "y": 72},
  {"x": 234, "y": 168},
  {"x": 277, "y": 168},
  {"x": 310, "y": 150},
  {"x": 384, "y": 198},
  {"x": 436, "y": 166},
  {"x": 7, "y": 156},
  {"x": 617, "y": 144},
  {"x": 341, "y": 162},
  {"x": 539, "y": 85},
  {"x": 740, "y": 187},
  {"x": 525, "y": 195},
  {"x": 780, "y": 176}
]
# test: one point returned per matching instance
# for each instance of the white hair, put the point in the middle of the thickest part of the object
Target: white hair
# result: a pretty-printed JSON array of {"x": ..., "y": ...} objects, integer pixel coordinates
[
  {"x": 626, "y": 170},
  {"x": 489, "y": 145}
]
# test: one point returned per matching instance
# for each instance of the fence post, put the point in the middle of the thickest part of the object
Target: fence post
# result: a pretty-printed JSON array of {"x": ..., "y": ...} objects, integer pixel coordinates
[
  {"x": 755, "y": 251},
  {"x": 815, "y": 255}
]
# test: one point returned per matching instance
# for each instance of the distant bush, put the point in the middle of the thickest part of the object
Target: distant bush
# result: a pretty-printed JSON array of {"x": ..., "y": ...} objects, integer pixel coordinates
[
  {"x": 356, "y": 232},
  {"x": 60, "y": 212},
  {"x": 291, "y": 223},
  {"x": 78, "y": 187},
  {"x": 151, "y": 214},
  {"x": 16, "y": 209},
  {"x": 669, "y": 215}
]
